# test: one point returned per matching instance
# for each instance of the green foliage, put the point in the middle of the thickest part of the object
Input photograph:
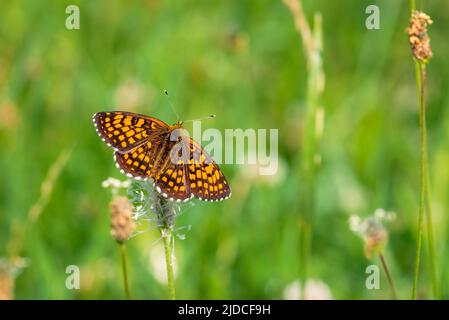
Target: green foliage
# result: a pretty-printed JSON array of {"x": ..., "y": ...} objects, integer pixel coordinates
[{"x": 241, "y": 60}]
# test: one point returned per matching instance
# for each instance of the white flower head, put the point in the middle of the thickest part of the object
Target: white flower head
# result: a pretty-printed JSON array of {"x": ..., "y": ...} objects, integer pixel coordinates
[
  {"x": 149, "y": 205},
  {"x": 315, "y": 290},
  {"x": 115, "y": 184},
  {"x": 354, "y": 223}
]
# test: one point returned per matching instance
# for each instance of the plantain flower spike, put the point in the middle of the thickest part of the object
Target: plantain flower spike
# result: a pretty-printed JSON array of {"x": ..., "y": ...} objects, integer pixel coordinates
[
  {"x": 418, "y": 38},
  {"x": 122, "y": 224}
]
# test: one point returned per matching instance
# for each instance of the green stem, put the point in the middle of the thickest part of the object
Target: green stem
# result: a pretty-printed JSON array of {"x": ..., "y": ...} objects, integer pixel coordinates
[
  {"x": 124, "y": 269},
  {"x": 430, "y": 240},
  {"x": 309, "y": 165},
  {"x": 169, "y": 248},
  {"x": 422, "y": 125},
  {"x": 421, "y": 72},
  {"x": 303, "y": 254},
  {"x": 387, "y": 273},
  {"x": 420, "y": 79}
]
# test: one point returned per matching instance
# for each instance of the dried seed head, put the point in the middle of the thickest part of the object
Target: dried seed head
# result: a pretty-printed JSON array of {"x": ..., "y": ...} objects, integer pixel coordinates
[
  {"x": 372, "y": 230},
  {"x": 375, "y": 236},
  {"x": 418, "y": 38},
  {"x": 122, "y": 224}
]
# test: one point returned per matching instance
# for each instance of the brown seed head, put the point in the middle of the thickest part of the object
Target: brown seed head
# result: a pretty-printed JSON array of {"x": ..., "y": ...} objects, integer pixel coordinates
[
  {"x": 375, "y": 237},
  {"x": 122, "y": 224},
  {"x": 418, "y": 38}
]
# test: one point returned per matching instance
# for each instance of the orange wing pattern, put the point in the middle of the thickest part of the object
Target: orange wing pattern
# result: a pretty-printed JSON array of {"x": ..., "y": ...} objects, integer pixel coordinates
[
  {"x": 150, "y": 161},
  {"x": 172, "y": 183},
  {"x": 124, "y": 131},
  {"x": 206, "y": 181},
  {"x": 143, "y": 150},
  {"x": 138, "y": 163}
]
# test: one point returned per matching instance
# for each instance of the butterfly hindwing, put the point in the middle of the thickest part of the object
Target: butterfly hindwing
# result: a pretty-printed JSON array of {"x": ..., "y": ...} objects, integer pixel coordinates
[
  {"x": 150, "y": 160},
  {"x": 139, "y": 162},
  {"x": 206, "y": 181},
  {"x": 172, "y": 183},
  {"x": 124, "y": 131}
]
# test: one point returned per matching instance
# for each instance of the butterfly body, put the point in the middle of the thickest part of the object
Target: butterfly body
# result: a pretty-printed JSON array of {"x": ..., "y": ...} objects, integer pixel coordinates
[{"x": 148, "y": 148}]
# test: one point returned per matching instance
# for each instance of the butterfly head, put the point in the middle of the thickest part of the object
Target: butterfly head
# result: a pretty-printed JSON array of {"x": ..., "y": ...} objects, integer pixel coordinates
[{"x": 177, "y": 125}]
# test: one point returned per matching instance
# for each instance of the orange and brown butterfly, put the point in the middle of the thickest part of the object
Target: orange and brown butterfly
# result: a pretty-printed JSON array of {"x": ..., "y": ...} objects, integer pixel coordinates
[{"x": 144, "y": 149}]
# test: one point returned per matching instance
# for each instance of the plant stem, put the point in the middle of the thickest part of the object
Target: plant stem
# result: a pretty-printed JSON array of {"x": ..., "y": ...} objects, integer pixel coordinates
[
  {"x": 389, "y": 278},
  {"x": 304, "y": 248},
  {"x": 17, "y": 240},
  {"x": 310, "y": 159},
  {"x": 124, "y": 269},
  {"x": 421, "y": 80},
  {"x": 169, "y": 248},
  {"x": 430, "y": 240},
  {"x": 422, "y": 124},
  {"x": 420, "y": 71}
]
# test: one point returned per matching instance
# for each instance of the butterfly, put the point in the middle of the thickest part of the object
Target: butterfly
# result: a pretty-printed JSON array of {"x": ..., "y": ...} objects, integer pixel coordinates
[{"x": 148, "y": 148}]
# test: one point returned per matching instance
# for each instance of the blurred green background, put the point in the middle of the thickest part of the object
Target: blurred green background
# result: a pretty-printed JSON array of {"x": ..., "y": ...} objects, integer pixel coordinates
[{"x": 244, "y": 62}]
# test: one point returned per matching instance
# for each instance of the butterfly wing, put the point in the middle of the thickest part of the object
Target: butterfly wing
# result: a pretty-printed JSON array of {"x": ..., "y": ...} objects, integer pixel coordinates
[
  {"x": 124, "y": 131},
  {"x": 152, "y": 160},
  {"x": 139, "y": 162},
  {"x": 172, "y": 183},
  {"x": 197, "y": 175},
  {"x": 205, "y": 179}
]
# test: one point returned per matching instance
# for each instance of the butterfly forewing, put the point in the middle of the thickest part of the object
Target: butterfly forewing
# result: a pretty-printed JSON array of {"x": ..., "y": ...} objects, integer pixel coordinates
[{"x": 124, "y": 131}]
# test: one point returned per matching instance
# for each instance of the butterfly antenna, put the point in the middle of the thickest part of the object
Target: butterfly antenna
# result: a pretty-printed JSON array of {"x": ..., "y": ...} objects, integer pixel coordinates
[
  {"x": 204, "y": 118},
  {"x": 171, "y": 104}
]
